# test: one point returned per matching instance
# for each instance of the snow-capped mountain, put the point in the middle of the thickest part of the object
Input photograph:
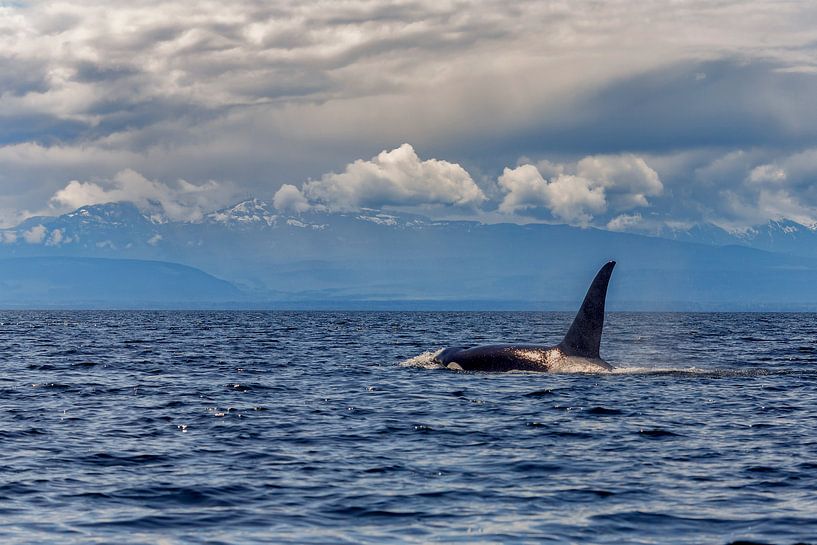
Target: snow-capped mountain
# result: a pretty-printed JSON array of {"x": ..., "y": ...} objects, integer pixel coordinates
[
  {"x": 122, "y": 226},
  {"x": 379, "y": 255},
  {"x": 252, "y": 212},
  {"x": 256, "y": 213},
  {"x": 785, "y": 236},
  {"x": 115, "y": 226},
  {"x": 782, "y": 236}
]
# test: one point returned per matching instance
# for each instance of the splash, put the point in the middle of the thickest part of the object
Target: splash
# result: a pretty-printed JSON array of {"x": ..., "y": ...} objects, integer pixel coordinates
[
  {"x": 697, "y": 371},
  {"x": 426, "y": 360},
  {"x": 658, "y": 370}
]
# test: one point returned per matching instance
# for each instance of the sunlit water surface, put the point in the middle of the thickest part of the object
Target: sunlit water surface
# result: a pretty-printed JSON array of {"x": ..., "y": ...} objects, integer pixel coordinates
[{"x": 309, "y": 427}]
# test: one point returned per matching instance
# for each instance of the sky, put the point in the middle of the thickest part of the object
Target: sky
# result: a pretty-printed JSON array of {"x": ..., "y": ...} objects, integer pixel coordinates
[{"x": 626, "y": 115}]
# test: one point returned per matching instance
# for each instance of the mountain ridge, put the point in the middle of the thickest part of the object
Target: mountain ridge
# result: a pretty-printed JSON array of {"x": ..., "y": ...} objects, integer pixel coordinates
[{"x": 376, "y": 255}]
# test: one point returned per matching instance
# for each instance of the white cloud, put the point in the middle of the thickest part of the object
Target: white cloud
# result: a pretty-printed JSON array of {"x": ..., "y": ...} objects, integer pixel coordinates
[
  {"x": 627, "y": 179},
  {"x": 569, "y": 198},
  {"x": 547, "y": 168},
  {"x": 624, "y": 222},
  {"x": 180, "y": 201},
  {"x": 35, "y": 235},
  {"x": 290, "y": 199},
  {"x": 392, "y": 178},
  {"x": 155, "y": 239},
  {"x": 782, "y": 204},
  {"x": 597, "y": 184},
  {"x": 767, "y": 173},
  {"x": 8, "y": 237},
  {"x": 55, "y": 238}
]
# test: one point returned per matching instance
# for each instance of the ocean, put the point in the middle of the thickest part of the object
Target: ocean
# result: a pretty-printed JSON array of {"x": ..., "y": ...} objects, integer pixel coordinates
[{"x": 335, "y": 427}]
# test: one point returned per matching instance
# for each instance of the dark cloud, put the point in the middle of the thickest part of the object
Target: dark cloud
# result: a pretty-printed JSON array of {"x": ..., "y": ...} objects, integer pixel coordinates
[
  {"x": 266, "y": 93},
  {"x": 89, "y": 72},
  {"x": 405, "y": 12},
  {"x": 724, "y": 104},
  {"x": 19, "y": 77},
  {"x": 39, "y": 128},
  {"x": 134, "y": 117}
]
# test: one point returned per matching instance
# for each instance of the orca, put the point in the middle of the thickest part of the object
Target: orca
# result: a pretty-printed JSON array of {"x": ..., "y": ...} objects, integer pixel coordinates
[{"x": 578, "y": 352}]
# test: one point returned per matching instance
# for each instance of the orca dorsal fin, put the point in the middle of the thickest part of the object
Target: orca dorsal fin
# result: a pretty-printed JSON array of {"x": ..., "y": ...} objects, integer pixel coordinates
[{"x": 584, "y": 336}]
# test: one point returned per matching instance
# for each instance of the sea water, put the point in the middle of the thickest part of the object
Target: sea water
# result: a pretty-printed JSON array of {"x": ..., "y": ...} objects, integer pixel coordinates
[{"x": 337, "y": 427}]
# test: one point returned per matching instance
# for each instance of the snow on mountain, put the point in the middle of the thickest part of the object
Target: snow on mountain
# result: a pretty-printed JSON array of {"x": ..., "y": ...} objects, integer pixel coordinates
[
  {"x": 366, "y": 254},
  {"x": 249, "y": 212},
  {"x": 784, "y": 236},
  {"x": 122, "y": 225},
  {"x": 123, "y": 230},
  {"x": 257, "y": 213},
  {"x": 112, "y": 225},
  {"x": 775, "y": 230}
]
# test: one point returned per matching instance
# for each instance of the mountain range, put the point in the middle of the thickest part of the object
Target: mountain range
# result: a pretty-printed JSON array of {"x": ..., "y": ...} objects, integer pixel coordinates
[{"x": 375, "y": 258}]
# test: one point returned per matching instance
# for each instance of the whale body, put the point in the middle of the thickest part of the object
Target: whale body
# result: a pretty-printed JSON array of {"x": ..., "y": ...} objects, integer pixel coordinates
[{"x": 578, "y": 352}]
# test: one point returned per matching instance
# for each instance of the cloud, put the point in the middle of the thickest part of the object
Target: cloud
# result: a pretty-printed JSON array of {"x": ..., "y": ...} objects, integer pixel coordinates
[
  {"x": 179, "y": 201},
  {"x": 55, "y": 238},
  {"x": 290, "y": 199},
  {"x": 8, "y": 237},
  {"x": 741, "y": 104},
  {"x": 266, "y": 93},
  {"x": 576, "y": 194},
  {"x": 569, "y": 198},
  {"x": 782, "y": 189},
  {"x": 767, "y": 173},
  {"x": 627, "y": 179},
  {"x": 734, "y": 189},
  {"x": 392, "y": 178},
  {"x": 624, "y": 222},
  {"x": 35, "y": 235}
]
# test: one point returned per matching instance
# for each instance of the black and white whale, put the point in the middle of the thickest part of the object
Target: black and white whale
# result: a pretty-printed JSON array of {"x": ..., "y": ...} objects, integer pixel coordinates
[{"x": 578, "y": 352}]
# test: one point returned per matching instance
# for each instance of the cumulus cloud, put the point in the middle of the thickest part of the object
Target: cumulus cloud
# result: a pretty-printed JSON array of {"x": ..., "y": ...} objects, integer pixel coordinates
[
  {"x": 624, "y": 222},
  {"x": 626, "y": 179},
  {"x": 55, "y": 238},
  {"x": 8, "y": 237},
  {"x": 578, "y": 194},
  {"x": 569, "y": 198},
  {"x": 35, "y": 235},
  {"x": 393, "y": 178},
  {"x": 179, "y": 201},
  {"x": 290, "y": 199}
]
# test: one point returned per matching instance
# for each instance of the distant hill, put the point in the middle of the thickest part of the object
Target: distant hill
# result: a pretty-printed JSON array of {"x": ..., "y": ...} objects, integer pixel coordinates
[
  {"x": 372, "y": 258},
  {"x": 44, "y": 282}
]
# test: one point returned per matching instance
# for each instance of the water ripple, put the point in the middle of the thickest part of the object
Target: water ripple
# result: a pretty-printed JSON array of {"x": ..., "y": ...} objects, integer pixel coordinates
[{"x": 337, "y": 427}]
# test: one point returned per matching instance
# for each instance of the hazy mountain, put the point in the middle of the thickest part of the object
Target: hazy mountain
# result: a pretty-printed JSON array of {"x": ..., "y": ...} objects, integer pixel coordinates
[
  {"x": 74, "y": 281},
  {"x": 332, "y": 258}
]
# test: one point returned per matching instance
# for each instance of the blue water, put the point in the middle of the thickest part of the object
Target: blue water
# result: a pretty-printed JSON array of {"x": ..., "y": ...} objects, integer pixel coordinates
[{"x": 287, "y": 427}]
